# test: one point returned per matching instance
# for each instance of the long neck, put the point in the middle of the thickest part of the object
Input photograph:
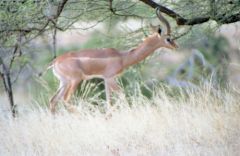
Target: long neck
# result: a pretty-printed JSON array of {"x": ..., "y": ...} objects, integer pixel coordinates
[{"x": 138, "y": 54}]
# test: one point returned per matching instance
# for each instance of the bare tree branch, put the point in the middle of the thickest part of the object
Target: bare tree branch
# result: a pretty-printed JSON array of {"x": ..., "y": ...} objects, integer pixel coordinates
[
  {"x": 6, "y": 77},
  {"x": 193, "y": 21},
  {"x": 54, "y": 43},
  {"x": 60, "y": 7},
  {"x": 115, "y": 11}
]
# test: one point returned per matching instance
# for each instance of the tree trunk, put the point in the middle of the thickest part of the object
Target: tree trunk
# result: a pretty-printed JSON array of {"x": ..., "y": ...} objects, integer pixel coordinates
[{"x": 5, "y": 75}]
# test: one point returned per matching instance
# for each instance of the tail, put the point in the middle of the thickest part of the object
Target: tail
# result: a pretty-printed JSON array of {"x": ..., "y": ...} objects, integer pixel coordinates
[{"x": 44, "y": 71}]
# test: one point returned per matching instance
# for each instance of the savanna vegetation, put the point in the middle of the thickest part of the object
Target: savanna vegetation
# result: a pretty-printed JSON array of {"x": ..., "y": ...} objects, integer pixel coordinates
[{"x": 182, "y": 102}]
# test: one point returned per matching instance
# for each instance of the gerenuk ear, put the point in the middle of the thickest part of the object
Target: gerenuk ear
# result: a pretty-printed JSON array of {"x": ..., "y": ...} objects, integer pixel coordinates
[{"x": 159, "y": 31}]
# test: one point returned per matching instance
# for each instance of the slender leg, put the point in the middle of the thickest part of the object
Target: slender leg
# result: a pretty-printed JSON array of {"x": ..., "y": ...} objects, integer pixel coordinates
[
  {"x": 60, "y": 92},
  {"x": 107, "y": 91},
  {"x": 68, "y": 94},
  {"x": 110, "y": 86},
  {"x": 113, "y": 85}
]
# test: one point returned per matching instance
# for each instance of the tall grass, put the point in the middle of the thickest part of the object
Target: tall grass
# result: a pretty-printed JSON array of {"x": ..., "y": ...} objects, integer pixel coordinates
[{"x": 201, "y": 122}]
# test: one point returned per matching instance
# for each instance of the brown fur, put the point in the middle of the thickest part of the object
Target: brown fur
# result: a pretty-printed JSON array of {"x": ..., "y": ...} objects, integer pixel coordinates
[{"x": 73, "y": 67}]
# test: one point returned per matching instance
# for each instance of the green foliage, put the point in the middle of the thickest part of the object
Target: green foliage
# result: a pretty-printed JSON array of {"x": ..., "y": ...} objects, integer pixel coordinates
[
  {"x": 16, "y": 17},
  {"x": 216, "y": 51},
  {"x": 99, "y": 40}
]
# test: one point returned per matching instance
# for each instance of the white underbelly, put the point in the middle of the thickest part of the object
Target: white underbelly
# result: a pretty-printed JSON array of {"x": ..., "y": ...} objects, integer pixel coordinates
[{"x": 87, "y": 77}]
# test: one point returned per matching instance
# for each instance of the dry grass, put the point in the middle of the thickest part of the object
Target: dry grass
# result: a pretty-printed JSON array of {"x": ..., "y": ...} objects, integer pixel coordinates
[{"x": 204, "y": 123}]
